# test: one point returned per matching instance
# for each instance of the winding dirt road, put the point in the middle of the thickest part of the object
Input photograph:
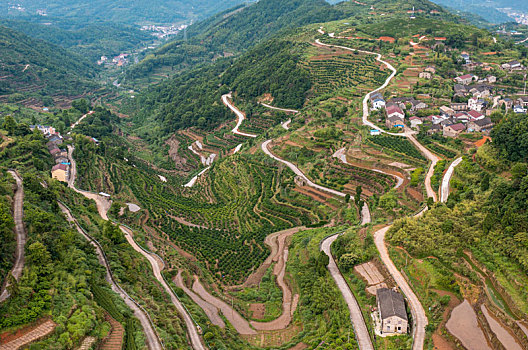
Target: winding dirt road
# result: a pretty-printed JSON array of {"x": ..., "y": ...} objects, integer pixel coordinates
[
  {"x": 444, "y": 190},
  {"x": 81, "y": 119},
  {"x": 152, "y": 339},
  {"x": 239, "y": 114},
  {"x": 157, "y": 264},
  {"x": 21, "y": 235},
  {"x": 356, "y": 317},
  {"x": 280, "y": 109}
]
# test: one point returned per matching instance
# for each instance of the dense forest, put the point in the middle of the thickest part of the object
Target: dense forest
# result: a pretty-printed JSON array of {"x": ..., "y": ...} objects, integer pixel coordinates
[
  {"x": 32, "y": 65},
  {"x": 234, "y": 31},
  {"x": 91, "y": 41},
  {"x": 135, "y": 12}
]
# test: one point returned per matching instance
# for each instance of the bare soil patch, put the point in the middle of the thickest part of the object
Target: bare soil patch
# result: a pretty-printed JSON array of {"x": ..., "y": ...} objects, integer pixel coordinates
[{"x": 258, "y": 310}]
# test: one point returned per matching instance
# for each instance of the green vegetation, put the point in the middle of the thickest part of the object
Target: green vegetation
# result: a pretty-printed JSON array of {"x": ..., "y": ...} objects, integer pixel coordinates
[
  {"x": 32, "y": 67},
  {"x": 399, "y": 145},
  {"x": 89, "y": 40}
]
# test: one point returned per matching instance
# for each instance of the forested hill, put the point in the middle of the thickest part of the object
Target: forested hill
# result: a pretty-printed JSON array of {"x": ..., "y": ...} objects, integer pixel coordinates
[
  {"x": 34, "y": 66},
  {"x": 91, "y": 41},
  {"x": 129, "y": 12},
  {"x": 233, "y": 31}
]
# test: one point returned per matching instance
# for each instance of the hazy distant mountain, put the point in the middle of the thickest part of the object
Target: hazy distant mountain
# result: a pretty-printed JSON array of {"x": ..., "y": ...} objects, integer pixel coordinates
[
  {"x": 132, "y": 11},
  {"x": 487, "y": 9}
]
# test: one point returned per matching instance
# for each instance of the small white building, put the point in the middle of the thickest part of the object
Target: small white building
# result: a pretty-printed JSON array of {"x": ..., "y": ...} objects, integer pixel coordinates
[{"x": 375, "y": 132}]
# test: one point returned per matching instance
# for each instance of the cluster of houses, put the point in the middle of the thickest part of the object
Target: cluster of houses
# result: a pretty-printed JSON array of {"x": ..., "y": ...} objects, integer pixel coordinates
[
  {"x": 60, "y": 170},
  {"x": 120, "y": 60}
]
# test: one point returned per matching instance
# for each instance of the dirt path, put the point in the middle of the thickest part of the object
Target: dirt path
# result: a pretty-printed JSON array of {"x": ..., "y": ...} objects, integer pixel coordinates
[
  {"x": 280, "y": 109},
  {"x": 210, "y": 310},
  {"x": 239, "y": 114},
  {"x": 37, "y": 333},
  {"x": 21, "y": 235},
  {"x": 279, "y": 254},
  {"x": 152, "y": 340},
  {"x": 356, "y": 316},
  {"x": 80, "y": 120},
  {"x": 237, "y": 321}
]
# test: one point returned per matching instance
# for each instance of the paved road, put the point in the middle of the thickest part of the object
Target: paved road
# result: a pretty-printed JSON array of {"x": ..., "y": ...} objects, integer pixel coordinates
[
  {"x": 444, "y": 191},
  {"x": 360, "y": 328},
  {"x": 103, "y": 206},
  {"x": 21, "y": 234},
  {"x": 417, "y": 309},
  {"x": 152, "y": 339},
  {"x": 418, "y": 312},
  {"x": 239, "y": 114}
]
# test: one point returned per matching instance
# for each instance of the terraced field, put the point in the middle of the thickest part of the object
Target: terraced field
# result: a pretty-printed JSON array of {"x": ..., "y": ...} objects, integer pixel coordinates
[
  {"x": 225, "y": 217},
  {"x": 332, "y": 70}
]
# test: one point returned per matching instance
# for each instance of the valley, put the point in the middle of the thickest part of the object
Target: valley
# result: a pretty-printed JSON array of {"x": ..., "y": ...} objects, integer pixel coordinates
[{"x": 292, "y": 175}]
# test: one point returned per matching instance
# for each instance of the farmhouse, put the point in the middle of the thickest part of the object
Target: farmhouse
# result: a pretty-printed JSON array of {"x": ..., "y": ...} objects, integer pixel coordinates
[
  {"x": 394, "y": 122},
  {"x": 415, "y": 121},
  {"x": 523, "y": 101},
  {"x": 459, "y": 106},
  {"x": 377, "y": 101},
  {"x": 476, "y": 104},
  {"x": 480, "y": 125},
  {"x": 392, "y": 312},
  {"x": 394, "y": 111},
  {"x": 60, "y": 172},
  {"x": 464, "y": 79},
  {"x": 425, "y": 75},
  {"x": 453, "y": 130}
]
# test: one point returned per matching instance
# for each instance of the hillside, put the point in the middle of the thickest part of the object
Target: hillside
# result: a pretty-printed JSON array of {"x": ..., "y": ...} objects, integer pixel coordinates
[
  {"x": 91, "y": 41},
  {"x": 134, "y": 12},
  {"x": 232, "y": 32},
  {"x": 34, "y": 67}
]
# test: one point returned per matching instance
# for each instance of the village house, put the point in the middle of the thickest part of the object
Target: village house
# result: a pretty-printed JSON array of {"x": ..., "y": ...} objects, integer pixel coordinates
[
  {"x": 523, "y": 101},
  {"x": 462, "y": 117},
  {"x": 476, "y": 104},
  {"x": 444, "y": 110},
  {"x": 475, "y": 115},
  {"x": 480, "y": 91},
  {"x": 415, "y": 121},
  {"x": 392, "y": 312},
  {"x": 459, "y": 106},
  {"x": 394, "y": 111},
  {"x": 61, "y": 159},
  {"x": 465, "y": 79},
  {"x": 492, "y": 79},
  {"x": 513, "y": 65},
  {"x": 377, "y": 101},
  {"x": 60, "y": 172},
  {"x": 46, "y": 130},
  {"x": 394, "y": 122},
  {"x": 431, "y": 69},
  {"x": 481, "y": 125},
  {"x": 435, "y": 128},
  {"x": 425, "y": 75},
  {"x": 465, "y": 56},
  {"x": 453, "y": 130},
  {"x": 460, "y": 89}
]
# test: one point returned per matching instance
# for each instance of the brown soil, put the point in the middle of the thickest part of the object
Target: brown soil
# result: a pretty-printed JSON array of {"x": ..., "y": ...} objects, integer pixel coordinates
[
  {"x": 415, "y": 194},
  {"x": 319, "y": 196},
  {"x": 300, "y": 346},
  {"x": 258, "y": 310},
  {"x": 26, "y": 335},
  {"x": 114, "y": 341},
  {"x": 440, "y": 342}
]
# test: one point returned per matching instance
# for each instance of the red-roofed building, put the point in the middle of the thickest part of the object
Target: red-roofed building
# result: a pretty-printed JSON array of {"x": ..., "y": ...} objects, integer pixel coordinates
[
  {"x": 474, "y": 115},
  {"x": 60, "y": 172},
  {"x": 394, "y": 111},
  {"x": 453, "y": 130},
  {"x": 464, "y": 79}
]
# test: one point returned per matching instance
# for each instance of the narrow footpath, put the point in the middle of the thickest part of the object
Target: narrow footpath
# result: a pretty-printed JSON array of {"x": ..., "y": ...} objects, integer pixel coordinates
[{"x": 21, "y": 235}]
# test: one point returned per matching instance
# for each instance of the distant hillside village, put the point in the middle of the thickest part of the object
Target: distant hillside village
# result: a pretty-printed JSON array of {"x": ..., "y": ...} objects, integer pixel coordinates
[{"x": 474, "y": 100}]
